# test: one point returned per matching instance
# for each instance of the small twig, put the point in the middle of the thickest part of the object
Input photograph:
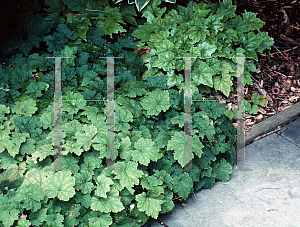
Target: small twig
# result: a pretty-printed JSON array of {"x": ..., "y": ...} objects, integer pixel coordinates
[
  {"x": 281, "y": 132},
  {"x": 277, "y": 72},
  {"x": 263, "y": 91},
  {"x": 161, "y": 222},
  {"x": 265, "y": 134},
  {"x": 279, "y": 51},
  {"x": 266, "y": 73},
  {"x": 284, "y": 51}
]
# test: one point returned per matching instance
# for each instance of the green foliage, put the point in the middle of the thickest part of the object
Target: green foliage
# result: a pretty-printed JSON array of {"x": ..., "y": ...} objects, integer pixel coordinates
[
  {"x": 141, "y": 4},
  {"x": 257, "y": 100},
  {"x": 149, "y": 114},
  {"x": 213, "y": 33}
]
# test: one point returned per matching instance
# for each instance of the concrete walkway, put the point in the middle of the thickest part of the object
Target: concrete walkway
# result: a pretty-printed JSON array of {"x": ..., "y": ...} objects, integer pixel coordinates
[{"x": 267, "y": 196}]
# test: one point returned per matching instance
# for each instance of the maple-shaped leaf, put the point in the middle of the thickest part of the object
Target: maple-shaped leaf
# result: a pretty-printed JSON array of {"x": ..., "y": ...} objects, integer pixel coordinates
[
  {"x": 222, "y": 170},
  {"x": 240, "y": 25},
  {"x": 72, "y": 147},
  {"x": 220, "y": 147},
  {"x": 109, "y": 27},
  {"x": 143, "y": 32},
  {"x": 60, "y": 185},
  {"x": 4, "y": 136},
  {"x": 43, "y": 152},
  {"x": 146, "y": 150},
  {"x": 85, "y": 139},
  {"x": 182, "y": 185},
  {"x": 213, "y": 109},
  {"x": 132, "y": 89},
  {"x": 72, "y": 127},
  {"x": 150, "y": 203},
  {"x": 156, "y": 102},
  {"x": 232, "y": 34},
  {"x": 179, "y": 119},
  {"x": 239, "y": 52},
  {"x": 109, "y": 21},
  {"x": 227, "y": 9},
  {"x": 122, "y": 119},
  {"x": 204, "y": 124},
  {"x": 200, "y": 11},
  {"x": 100, "y": 220},
  {"x": 164, "y": 46},
  {"x": 112, "y": 203},
  {"x": 254, "y": 22},
  {"x": 14, "y": 142},
  {"x": 151, "y": 8},
  {"x": 165, "y": 61},
  {"x": 203, "y": 74},
  {"x": 47, "y": 120},
  {"x": 99, "y": 144},
  {"x": 215, "y": 64},
  {"x": 184, "y": 146},
  {"x": 34, "y": 89},
  {"x": 26, "y": 108},
  {"x": 214, "y": 22},
  {"x": 103, "y": 186},
  {"x": 30, "y": 196},
  {"x": 7, "y": 217},
  {"x": 173, "y": 79},
  {"x": 3, "y": 110},
  {"x": 131, "y": 105},
  {"x": 159, "y": 36},
  {"x": 70, "y": 162},
  {"x": 125, "y": 148},
  {"x": 93, "y": 114},
  {"x": 266, "y": 41},
  {"x": 38, "y": 217},
  {"x": 206, "y": 49},
  {"x": 23, "y": 222},
  {"x": 197, "y": 33},
  {"x": 74, "y": 103},
  {"x": 223, "y": 83},
  {"x": 35, "y": 176},
  {"x": 129, "y": 176},
  {"x": 168, "y": 205}
]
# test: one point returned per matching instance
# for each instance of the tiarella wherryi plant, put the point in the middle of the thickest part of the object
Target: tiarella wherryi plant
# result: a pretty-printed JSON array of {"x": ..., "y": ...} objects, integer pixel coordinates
[
  {"x": 213, "y": 33},
  {"x": 149, "y": 145}
]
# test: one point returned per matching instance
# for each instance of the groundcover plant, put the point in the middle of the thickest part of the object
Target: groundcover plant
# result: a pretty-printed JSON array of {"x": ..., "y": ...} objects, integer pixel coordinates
[{"x": 149, "y": 111}]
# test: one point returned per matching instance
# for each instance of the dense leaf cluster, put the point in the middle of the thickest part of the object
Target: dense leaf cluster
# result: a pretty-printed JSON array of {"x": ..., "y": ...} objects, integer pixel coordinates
[
  {"x": 213, "y": 32},
  {"x": 149, "y": 122}
]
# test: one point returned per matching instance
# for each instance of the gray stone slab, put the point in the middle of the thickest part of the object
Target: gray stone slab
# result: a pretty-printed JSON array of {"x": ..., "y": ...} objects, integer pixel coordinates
[{"x": 267, "y": 196}]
